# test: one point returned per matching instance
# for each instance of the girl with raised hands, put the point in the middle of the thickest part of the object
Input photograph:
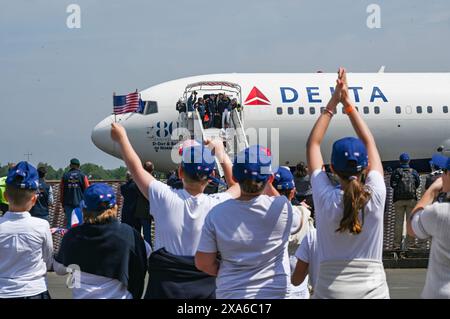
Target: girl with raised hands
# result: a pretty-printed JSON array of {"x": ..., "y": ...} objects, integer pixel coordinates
[{"x": 349, "y": 219}]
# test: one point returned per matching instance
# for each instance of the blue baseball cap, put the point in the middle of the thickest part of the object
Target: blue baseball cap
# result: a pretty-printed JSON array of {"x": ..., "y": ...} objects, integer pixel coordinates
[
  {"x": 23, "y": 176},
  {"x": 404, "y": 157},
  {"x": 283, "y": 179},
  {"x": 349, "y": 155},
  {"x": 441, "y": 161},
  {"x": 99, "y": 197},
  {"x": 254, "y": 162},
  {"x": 198, "y": 160}
]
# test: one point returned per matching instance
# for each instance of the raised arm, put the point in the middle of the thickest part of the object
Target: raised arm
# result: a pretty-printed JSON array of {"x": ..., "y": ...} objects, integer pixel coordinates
[
  {"x": 361, "y": 128},
  {"x": 219, "y": 151},
  {"x": 313, "y": 153},
  {"x": 142, "y": 178},
  {"x": 427, "y": 199}
]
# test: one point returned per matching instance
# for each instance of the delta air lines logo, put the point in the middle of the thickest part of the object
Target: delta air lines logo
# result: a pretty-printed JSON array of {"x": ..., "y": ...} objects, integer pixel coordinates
[{"x": 256, "y": 97}]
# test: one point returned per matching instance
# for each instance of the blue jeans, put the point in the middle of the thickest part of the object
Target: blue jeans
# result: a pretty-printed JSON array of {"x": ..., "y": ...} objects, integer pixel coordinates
[{"x": 68, "y": 211}]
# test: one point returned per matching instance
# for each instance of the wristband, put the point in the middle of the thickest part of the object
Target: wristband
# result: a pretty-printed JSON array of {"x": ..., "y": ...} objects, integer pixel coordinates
[
  {"x": 349, "y": 109},
  {"x": 327, "y": 111}
]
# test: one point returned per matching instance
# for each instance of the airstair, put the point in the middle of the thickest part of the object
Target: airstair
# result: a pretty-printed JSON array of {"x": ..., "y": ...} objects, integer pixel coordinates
[{"x": 233, "y": 136}]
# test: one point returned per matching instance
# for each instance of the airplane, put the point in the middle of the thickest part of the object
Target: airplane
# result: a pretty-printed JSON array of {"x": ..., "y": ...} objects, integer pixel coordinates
[{"x": 406, "y": 112}]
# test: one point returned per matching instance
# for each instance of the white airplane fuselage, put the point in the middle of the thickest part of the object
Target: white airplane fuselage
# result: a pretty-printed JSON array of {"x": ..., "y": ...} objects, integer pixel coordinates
[{"x": 291, "y": 103}]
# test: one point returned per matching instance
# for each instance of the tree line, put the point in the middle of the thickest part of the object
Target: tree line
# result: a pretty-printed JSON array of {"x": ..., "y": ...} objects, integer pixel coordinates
[{"x": 93, "y": 171}]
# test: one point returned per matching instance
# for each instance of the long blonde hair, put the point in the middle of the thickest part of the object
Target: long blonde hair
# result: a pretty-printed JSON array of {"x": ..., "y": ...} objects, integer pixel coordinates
[
  {"x": 105, "y": 217},
  {"x": 356, "y": 196}
]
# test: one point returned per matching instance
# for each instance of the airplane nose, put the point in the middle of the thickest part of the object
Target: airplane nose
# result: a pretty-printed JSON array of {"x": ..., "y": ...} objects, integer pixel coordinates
[{"x": 101, "y": 136}]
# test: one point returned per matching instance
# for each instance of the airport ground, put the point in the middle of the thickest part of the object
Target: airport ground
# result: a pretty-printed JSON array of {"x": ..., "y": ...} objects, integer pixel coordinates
[{"x": 403, "y": 284}]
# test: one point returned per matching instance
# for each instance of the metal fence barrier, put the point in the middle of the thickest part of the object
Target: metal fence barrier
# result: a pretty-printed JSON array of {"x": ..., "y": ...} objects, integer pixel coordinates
[{"x": 57, "y": 216}]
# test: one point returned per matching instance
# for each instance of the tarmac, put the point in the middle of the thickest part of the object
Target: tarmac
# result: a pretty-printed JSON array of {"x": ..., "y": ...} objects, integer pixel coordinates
[{"x": 403, "y": 284}]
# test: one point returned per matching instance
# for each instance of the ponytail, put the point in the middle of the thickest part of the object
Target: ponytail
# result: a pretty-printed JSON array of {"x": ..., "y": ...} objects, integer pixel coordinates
[{"x": 356, "y": 197}]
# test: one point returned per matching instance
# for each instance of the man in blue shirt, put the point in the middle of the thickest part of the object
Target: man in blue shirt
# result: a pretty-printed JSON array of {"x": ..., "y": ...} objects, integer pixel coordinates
[
  {"x": 73, "y": 184},
  {"x": 404, "y": 181},
  {"x": 45, "y": 196}
]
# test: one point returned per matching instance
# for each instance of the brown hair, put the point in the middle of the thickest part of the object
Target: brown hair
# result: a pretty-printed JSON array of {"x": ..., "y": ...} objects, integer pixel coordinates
[
  {"x": 104, "y": 218},
  {"x": 197, "y": 178},
  {"x": 285, "y": 192},
  {"x": 301, "y": 170},
  {"x": 18, "y": 196},
  {"x": 194, "y": 178},
  {"x": 251, "y": 186},
  {"x": 356, "y": 197}
]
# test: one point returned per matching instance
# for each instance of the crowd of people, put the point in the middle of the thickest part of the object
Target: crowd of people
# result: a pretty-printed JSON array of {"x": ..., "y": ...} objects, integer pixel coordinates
[
  {"x": 214, "y": 109},
  {"x": 271, "y": 234}
]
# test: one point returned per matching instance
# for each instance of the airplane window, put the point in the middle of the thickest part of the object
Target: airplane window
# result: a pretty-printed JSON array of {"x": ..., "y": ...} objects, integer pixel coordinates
[
  {"x": 279, "y": 110},
  {"x": 301, "y": 110},
  {"x": 290, "y": 110},
  {"x": 343, "y": 110},
  {"x": 377, "y": 110},
  {"x": 151, "y": 107},
  {"x": 321, "y": 109},
  {"x": 419, "y": 109},
  {"x": 312, "y": 110},
  {"x": 366, "y": 110},
  {"x": 408, "y": 109},
  {"x": 357, "y": 109},
  {"x": 429, "y": 109},
  {"x": 398, "y": 109},
  {"x": 445, "y": 109}
]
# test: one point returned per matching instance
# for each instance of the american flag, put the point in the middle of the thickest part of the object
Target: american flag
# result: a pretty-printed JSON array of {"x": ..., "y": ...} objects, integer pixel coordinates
[
  {"x": 58, "y": 230},
  {"x": 126, "y": 103}
]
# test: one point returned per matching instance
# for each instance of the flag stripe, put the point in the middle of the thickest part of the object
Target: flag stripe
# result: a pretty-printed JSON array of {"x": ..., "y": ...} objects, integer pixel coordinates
[{"x": 127, "y": 103}]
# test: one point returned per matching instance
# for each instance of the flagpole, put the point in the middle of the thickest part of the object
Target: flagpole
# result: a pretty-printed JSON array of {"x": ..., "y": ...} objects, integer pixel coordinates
[{"x": 115, "y": 121}]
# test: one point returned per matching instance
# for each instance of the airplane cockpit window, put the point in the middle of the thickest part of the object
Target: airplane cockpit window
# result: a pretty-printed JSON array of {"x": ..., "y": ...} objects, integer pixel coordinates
[
  {"x": 445, "y": 109},
  {"x": 398, "y": 109},
  {"x": 429, "y": 109},
  {"x": 419, "y": 109},
  {"x": 151, "y": 107}
]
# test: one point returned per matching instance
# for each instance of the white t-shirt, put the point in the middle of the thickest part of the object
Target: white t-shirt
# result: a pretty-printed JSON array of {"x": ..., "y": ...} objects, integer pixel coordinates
[
  {"x": 252, "y": 238},
  {"x": 329, "y": 208},
  {"x": 301, "y": 291},
  {"x": 179, "y": 217},
  {"x": 434, "y": 221},
  {"x": 307, "y": 252},
  {"x": 26, "y": 250}
]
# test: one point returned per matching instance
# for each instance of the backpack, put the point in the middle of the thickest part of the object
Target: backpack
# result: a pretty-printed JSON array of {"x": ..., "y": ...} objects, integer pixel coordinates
[{"x": 406, "y": 185}]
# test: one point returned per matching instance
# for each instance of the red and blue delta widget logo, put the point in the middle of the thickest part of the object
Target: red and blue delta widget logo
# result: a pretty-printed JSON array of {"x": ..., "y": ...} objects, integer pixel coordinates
[{"x": 312, "y": 94}]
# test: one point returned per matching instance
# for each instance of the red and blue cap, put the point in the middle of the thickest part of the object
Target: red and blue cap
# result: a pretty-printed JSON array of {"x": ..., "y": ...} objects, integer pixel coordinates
[
  {"x": 404, "y": 157},
  {"x": 98, "y": 198},
  {"x": 283, "y": 179},
  {"x": 349, "y": 155},
  {"x": 441, "y": 161},
  {"x": 254, "y": 163},
  {"x": 23, "y": 176}
]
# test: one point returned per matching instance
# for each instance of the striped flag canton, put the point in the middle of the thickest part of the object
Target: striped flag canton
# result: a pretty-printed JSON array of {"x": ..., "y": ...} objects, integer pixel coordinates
[{"x": 126, "y": 103}]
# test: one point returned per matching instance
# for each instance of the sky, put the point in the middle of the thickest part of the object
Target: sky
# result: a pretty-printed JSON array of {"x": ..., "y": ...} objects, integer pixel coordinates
[{"x": 56, "y": 83}]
